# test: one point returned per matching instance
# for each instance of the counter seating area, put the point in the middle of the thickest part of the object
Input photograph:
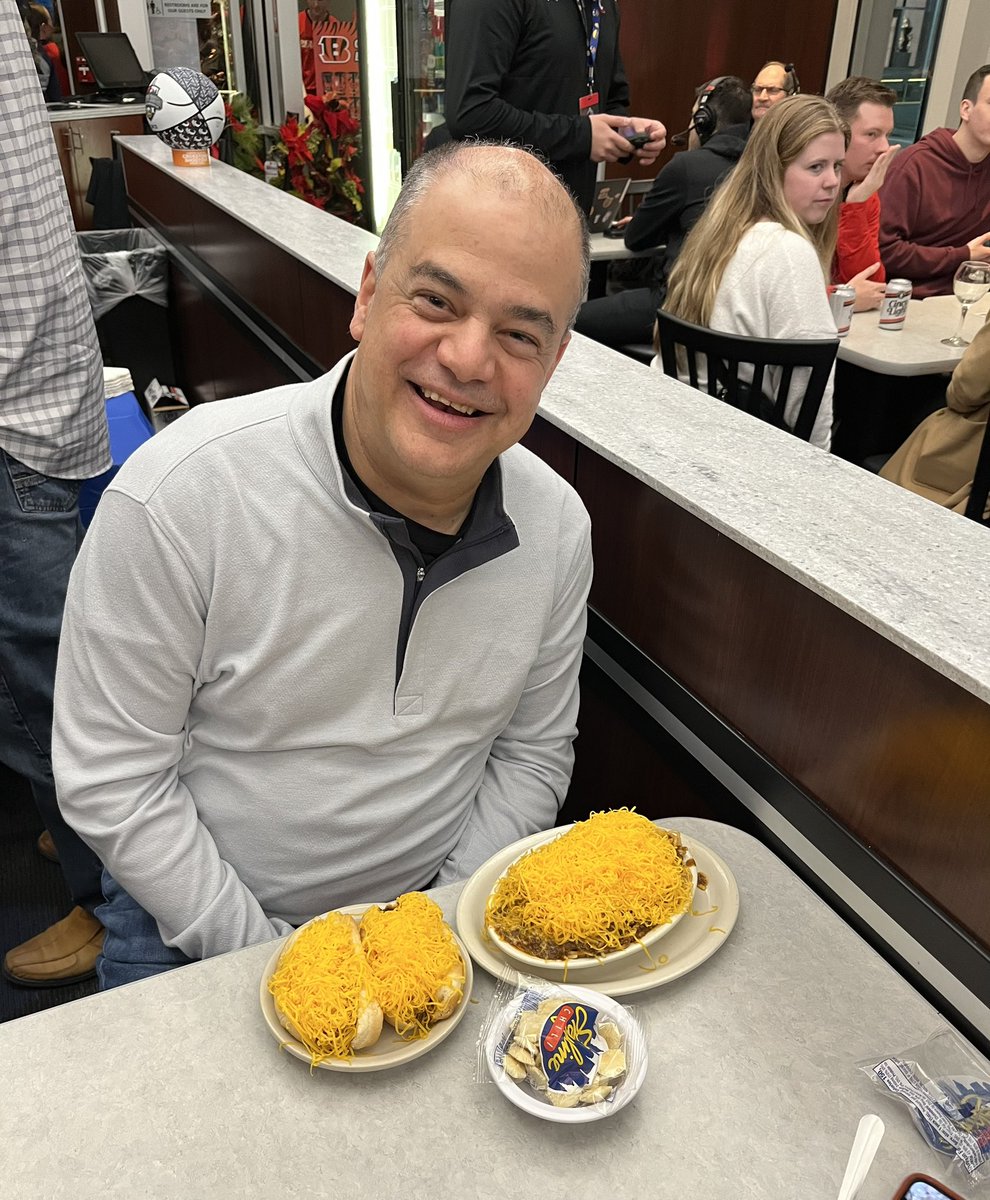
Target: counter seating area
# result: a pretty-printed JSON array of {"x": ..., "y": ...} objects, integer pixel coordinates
[{"x": 778, "y": 639}]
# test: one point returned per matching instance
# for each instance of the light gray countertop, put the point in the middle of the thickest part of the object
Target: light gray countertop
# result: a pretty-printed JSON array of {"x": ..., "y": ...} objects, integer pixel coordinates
[
  {"x": 173, "y": 1088},
  {"x": 911, "y": 571},
  {"x": 84, "y": 112}
]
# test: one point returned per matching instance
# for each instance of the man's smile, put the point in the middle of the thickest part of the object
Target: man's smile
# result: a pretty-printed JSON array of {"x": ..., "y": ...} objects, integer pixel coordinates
[{"x": 445, "y": 404}]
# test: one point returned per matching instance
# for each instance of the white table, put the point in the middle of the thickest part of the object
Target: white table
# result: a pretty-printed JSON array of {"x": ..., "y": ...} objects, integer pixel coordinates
[
  {"x": 173, "y": 1088},
  {"x": 917, "y": 348},
  {"x": 605, "y": 249}
]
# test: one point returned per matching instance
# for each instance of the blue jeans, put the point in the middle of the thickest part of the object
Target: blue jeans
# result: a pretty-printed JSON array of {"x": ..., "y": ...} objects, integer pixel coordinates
[
  {"x": 132, "y": 946},
  {"x": 39, "y": 536}
]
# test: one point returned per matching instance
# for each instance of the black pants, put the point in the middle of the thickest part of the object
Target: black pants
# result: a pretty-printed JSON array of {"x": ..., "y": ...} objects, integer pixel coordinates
[{"x": 623, "y": 319}]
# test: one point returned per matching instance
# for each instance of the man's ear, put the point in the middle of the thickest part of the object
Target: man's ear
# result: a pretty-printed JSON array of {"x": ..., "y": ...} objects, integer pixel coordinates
[{"x": 365, "y": 295}]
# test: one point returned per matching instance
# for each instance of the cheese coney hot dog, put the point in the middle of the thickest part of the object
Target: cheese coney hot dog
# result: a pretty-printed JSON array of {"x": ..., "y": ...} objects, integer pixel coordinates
[
  {"x": 323, "y": 990},
  {"x": 415, "y": 963}
]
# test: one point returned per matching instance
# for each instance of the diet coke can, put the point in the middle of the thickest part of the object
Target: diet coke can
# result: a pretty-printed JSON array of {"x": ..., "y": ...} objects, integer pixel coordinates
[
  {"x": 893, "y": 310},
  {"x": 842, "y": 298}
]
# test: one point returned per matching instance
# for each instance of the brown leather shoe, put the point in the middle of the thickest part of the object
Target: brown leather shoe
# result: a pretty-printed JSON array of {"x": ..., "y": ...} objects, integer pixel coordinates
[
  {"x": 46, "y": 846},
  {"x": 65, "y": 953}
]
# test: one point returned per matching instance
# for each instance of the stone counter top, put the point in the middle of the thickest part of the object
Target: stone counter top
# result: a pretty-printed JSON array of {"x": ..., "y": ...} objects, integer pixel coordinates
[
  {"x": 173, "y": 1088},
  {"x": 328, "y": 245},
  {"x": 84, "y": 112},
  {"x": 913, "y": 572}
]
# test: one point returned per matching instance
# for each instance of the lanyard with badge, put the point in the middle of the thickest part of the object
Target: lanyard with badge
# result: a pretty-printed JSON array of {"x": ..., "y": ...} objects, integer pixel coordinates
[{"x": 589, "y": 102}]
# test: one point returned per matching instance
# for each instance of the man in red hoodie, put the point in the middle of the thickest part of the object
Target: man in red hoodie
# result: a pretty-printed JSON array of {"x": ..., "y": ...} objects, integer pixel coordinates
[
  {"x": 936, "y": 201},
  {"x": 867, "y": 107}
]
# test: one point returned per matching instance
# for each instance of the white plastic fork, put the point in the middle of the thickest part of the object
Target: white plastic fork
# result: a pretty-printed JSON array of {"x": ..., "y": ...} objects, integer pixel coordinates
[{"x": 864, "y": 1148}]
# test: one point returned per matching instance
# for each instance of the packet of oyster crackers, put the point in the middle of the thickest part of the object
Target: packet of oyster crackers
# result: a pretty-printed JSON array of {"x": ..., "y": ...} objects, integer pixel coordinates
[
  {"x": 569, "y": 1046},
  {"x": 946, "y": 1085}
]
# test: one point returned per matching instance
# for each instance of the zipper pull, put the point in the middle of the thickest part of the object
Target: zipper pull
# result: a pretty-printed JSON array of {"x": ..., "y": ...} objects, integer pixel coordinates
[{"x": 420, "y": 574}]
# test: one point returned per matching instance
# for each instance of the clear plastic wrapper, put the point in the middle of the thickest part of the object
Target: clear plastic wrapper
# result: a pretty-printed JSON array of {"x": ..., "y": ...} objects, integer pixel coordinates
[
  {"x": 119, "y": 263},
  {"x": 561, "y": 1052},
  {"x": 946, "y": 1085}
]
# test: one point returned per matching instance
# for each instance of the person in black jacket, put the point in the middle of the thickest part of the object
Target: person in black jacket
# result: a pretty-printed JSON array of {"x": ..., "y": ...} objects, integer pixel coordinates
[
  {"x": 544, "y": 75},
  {"x": 680, "y": 193}
]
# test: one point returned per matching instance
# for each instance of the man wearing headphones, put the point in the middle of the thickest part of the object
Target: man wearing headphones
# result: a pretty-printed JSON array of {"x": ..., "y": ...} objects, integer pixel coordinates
[
  {"x": 773, "y": 83},
  {"x": 681, "y": 191}
]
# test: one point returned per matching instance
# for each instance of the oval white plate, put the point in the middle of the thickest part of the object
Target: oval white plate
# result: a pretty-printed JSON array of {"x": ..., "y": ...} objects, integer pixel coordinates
[
  {"x": 695, "y": 939},
  {"x": 530, "y": 962},
  {"x": 390, "y": 1050}
]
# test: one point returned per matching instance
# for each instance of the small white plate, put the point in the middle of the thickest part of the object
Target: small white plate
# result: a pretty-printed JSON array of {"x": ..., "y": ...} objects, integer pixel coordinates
[
  {"x": 531, "y": 962},
  {"x": 695, "y": 939},
  {"x": 390, "y": 1050},
  {"x": 522, "y": 1095}
]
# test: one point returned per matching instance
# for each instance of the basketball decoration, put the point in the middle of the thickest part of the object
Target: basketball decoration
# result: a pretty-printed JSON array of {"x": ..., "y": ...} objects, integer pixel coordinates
[{"x": 186, "y": 111}]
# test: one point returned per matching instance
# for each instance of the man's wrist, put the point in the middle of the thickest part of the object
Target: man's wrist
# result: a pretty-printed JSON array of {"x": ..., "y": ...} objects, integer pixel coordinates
[{"x": 855, "y": 194}]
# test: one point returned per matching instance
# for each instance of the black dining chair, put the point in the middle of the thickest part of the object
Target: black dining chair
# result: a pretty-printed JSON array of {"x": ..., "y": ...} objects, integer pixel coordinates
[
  {"x": 979, "y": 496},
  {"x": 725, "y": 353}
]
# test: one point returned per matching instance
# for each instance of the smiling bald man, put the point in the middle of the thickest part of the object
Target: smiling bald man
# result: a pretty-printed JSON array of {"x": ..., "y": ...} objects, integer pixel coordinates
[{"x": 322, "y": 643}]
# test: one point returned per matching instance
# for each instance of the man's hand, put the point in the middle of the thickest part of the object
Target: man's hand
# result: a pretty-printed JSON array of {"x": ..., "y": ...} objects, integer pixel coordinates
[
  {"x": 608, "y": 144},
  {"x": 658, "y": 138},
  {"x": 979, "y": 251},
  {"x": 859, "y": 192},
  {"x": 868, "y": 293}
]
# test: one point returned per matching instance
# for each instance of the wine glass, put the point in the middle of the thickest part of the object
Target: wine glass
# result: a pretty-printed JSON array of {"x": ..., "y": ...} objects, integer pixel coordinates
[{"x": 972, "y": 282}]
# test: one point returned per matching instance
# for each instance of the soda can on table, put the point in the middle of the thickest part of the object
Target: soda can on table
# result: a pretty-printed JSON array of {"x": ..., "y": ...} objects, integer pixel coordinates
[
  {"x": 893, "y": 310},
  {"x": 842, "y": 297}
]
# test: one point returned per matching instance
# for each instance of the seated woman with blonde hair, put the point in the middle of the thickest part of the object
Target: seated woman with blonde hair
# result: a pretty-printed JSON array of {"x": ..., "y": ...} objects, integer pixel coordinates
[
  {"x": 757, "y": 262},
  {"x": 938, "y": 460}
]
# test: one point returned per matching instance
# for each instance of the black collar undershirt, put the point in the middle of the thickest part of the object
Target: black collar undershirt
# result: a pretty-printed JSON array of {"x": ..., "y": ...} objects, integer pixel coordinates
[{"x": 429, "y": 542}]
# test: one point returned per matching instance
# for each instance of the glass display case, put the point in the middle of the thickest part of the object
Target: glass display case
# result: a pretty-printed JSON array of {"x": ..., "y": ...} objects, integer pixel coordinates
[{"x": 419, "y": 85}]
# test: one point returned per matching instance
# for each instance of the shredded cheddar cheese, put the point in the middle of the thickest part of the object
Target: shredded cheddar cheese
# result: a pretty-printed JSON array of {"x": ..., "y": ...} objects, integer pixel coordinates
[
  {"x": 321, "y": 984},
  {"x": 595, "y": 889},
  {"x": 415, "y": 962}
]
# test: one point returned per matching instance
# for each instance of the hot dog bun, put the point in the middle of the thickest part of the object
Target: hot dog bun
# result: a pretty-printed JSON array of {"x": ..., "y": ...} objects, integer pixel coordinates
[
  {"x": 323, "y": 990},
  {"x": 415, "y": 961}
]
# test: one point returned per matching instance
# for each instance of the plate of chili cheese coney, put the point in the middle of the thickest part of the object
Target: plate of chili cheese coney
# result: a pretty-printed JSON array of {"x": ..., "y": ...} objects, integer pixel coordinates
[
  {"x": 367, "y": 987},
  {"x": 690, "y": 934}
]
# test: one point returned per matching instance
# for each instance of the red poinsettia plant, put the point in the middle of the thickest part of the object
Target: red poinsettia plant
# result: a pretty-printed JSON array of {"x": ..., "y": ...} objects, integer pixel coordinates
[{"x": 316, "y": 157}]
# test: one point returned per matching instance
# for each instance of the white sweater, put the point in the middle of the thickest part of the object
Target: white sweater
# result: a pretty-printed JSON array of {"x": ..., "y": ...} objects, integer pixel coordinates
[
  {"x": 230, "y": 736},
  {"x": 773, "y": 287}
]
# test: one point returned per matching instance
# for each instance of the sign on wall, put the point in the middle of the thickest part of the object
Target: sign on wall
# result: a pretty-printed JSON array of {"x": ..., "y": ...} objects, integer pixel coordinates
[{"x": 201, "y": 9}]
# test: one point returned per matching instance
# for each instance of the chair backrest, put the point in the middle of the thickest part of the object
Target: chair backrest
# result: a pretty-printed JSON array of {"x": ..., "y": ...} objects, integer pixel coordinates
[
  {"x": 724, "y": 353},
  {"x": 635, "y": 192},
  {"x": 979, "y": 494}
]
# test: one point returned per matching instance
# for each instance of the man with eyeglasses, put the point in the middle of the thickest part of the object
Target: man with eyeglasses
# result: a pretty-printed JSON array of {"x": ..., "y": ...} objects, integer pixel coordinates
[{"x": 774, "y": 81}]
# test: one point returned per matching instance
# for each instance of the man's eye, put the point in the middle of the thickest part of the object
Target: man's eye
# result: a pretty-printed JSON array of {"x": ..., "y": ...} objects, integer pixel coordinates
[
  {"x": 430, "y": 298},
  {"x": 524, "y": 338}
]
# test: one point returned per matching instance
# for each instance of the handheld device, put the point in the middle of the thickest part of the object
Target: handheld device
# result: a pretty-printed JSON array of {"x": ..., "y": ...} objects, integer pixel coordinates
[
  {"x": 636, "y": 140},
  {"x": 923, "y": 1187},
  {"x": 615, "y": 231}
]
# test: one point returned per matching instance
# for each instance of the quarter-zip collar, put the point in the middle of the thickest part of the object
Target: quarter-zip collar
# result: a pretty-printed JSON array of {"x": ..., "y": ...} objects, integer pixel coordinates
[{"x": 487, "y": 532}]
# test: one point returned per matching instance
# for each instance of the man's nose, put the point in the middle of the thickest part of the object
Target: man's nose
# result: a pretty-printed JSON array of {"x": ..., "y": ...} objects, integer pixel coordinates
[{"x": 467, "y": 350}]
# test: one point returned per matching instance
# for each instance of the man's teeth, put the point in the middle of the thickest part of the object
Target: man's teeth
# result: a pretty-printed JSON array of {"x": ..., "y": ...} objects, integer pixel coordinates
[{"x": 461, "y": 408}]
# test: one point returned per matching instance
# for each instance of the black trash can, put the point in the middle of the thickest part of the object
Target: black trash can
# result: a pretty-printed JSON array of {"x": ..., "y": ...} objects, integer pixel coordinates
[{"x": 126, "y": 274}]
